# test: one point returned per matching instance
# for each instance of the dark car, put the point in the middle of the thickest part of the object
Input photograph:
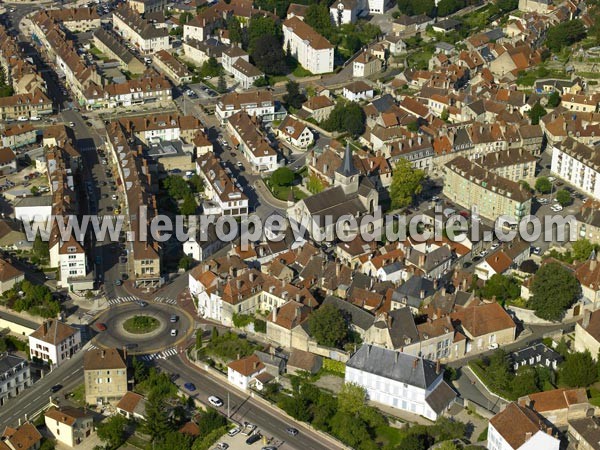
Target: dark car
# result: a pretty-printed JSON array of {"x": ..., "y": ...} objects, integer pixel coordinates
[
  {"x": 190, "y": 386},
  {"x": 254, "y": 438},
  {"x": 292, "y": 431},
  {"x": 56, "y": 388},
  {"x": 118, "y": 283}
]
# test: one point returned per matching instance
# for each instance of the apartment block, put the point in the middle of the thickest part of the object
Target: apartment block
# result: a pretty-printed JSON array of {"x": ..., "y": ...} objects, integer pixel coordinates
[{"x": 313, "y": 51}]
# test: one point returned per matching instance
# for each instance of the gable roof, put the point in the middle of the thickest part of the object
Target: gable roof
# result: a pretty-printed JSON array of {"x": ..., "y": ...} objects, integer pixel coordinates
[
  {"x": 483, "y": 319},
  {"x": 247, "y": 366},
  {"x": 306, "y": 33},
  {"x": 98, "y": 359},
  {"x": 53, "y": 332},
  {"x": 516, "y": 424}
]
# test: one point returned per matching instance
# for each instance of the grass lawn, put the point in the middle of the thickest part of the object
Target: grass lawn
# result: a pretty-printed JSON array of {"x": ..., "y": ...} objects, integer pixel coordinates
[
  {"x": 594, "y": 395},
  {"x": 301, "y": 72},
  {"x": 141, "y": 324},
  {"x": 390, "y": 437},
  {"x": 79, "y": 395},
  {"x": 274, "y": 79},
  {"x": 137, "y": 441},
  {"x": 282, "y": 192},
  {"x": 419, "y": 59}
]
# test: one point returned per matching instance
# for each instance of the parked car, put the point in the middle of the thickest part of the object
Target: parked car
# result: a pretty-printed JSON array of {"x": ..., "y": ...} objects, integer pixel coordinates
[
  {"x": 101, "y": 326},
  {"x": 190, "y": 386},
  {"x": 254, "y": 438},
  {"x": 233, "y": 431},
  {"x": 215, "y": 401}
]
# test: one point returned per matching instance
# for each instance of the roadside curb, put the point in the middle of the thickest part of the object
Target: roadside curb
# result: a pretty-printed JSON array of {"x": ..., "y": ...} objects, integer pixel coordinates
[{"x": 469, "y": 370}]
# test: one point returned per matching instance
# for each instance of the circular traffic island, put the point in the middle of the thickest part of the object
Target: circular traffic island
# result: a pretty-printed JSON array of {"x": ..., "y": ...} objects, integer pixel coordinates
[{"x": 141, "y": 324}]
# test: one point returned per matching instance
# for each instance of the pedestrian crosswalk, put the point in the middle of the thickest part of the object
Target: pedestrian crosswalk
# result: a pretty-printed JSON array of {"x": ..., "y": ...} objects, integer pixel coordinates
[
  {"x": 170, "y": 301},
  {"x": 92, "y": 347},
  {"x": 160, "y": 355},
  {"x": 118, "y": 300}
]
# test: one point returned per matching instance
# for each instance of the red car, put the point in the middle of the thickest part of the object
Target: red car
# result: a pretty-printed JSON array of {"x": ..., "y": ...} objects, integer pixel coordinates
[{"x": 101, "y": 327}]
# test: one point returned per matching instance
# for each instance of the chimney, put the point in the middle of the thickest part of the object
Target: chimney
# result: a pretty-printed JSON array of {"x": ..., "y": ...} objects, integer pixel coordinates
[
  {"x": 395, "y": 357},
  {"x": 103, "y": 353},
  {"x": 437, "y": 367},
  {"x": 252, "y": 276},
  {"x": 422, "y": 294},
  {"x": 464, "y": 284},
  {"x": 125, "y": 353},
  {"x": 438, "y": 312},
  {"x": 444, "y": 291},
  {"x": 45, "y": 327},
  {"x": 275, "y": 314},
  {"x": 587, "y": 315},
  {"x": 421, "y": 260},
  {"x": 527, "y": 436},
  {"x": 296, "y": 313},
  {"x": 435, "y": 284},
  {"x": 238, "y": 283},
  {"x": 593, "y": 264},
  {"x": 415, "y": 362},
  {"x": 549, "y": 431}
]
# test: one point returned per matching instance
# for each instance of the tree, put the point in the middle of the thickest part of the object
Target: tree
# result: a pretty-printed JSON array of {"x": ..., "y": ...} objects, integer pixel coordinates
[
  {"x": 498, "y": 370},
  {"x": 507, "y": 5},
  {"x": 185, "y": 17},
  {"x": 318, "y": 17},
  {"x": 543, "y": 185},
  {"x": 112, "y": 431},
  {"x": 259, "y": 27},
  {"x": 564, "y": 197},
  {"x": 157, "y": 423},
  {"x": 235, "y": 30},
  {"x": 554, "y": 290},
  {"x": 565, "y": 34},
  {"x": 199, "y": 338},
  {"x": 351, "y": 398},
  {"x": 176, "y": 187},
  {"x": 416, "y": 7},
  {"x": 447, "y": 7},
  {"x": 214, "y": 334},
  {"x": 314, "y": 184},
  {"x": 211, "y": 68},
  {"x": 40, "y": 247},
  {"x": 554, "y": 99},
  {"x": 140, "y": 370},
  {"x": 196, "y": 183},
  {"x": 525, "y": 382},
  {"x": 328, "y": 326},
  {"x": 582, "y": 249},
  {"x": 525, "y": 185},
  {"x": 346, "y": 117},
  {"x": 445, "y": 115},
  {"x": 261, "y": 82},
  {"x": 501, "y": 287},
  {"x": 34, "y": 190},
  {"x": 578, "y": 370},
  {"x": 268, "y": 55},
  {"x": 406, "y": 183},
  {"x": 415, "y": 442},
  {"x": 174, "y": 440},
  {"x": 293, "y": 97},
  {"x": 449, "y": 445},
  {"x": 529, "y": 266},
  {"x": 211, "y": 420},
  {"x": 284, "y": 176},
  {"x": 185, "y": 263},
  {"x": 536, "y": 113},
  {"x": 221, "y": 83}
]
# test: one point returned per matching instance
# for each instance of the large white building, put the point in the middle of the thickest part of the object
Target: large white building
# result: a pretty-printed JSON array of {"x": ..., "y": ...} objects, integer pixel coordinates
[
  {"x": 257, "y": 103},
  {"x": 519, "y": 428},
  {"x": 147, "y": 38},
  {"x": 313, "y": 51},
  {"x": 71, "y": 262},
  {"x": 578, "y": 164},
  {"x": 15, "y": 376},
  {"x": 54, "y": 342},
  {"x": 400, "y": 380}
]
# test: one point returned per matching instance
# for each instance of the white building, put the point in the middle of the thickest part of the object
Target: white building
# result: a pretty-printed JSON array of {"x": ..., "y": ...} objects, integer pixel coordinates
[
  {"x": 313, "y": 51},
  {"x": 54, "y": 342},
  {"x": 37, "y": 209},
  {"x": 400, "y": 380},
  {"x": 578, "y": 164},
  {"x": 147, "y": 38},
  {"x": 357, "y": 91},
  {"x": 257, "y": 150},
  {"x": 519, "y": 428},
  {"x": 15, "y": 376},
  {"x": 346, "y": 11},
  {"x": 240, "y": 373},
  {"x": 295, "y": 132},
  {"x": 69, "y": 426},
  {"x": 71, "y": 262},
  {"x": 258, "y": 103}
]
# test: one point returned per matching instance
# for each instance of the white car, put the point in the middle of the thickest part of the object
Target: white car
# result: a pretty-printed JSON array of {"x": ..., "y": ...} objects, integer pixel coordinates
[
  {"x": 233, "y": 431},
  {"x": 35, "y": 118},
  {"x": 114, "y": 197},
  {"x": 22, "y": 119},
  {"x": 173, "y": 332},
  {"x": 215, "y": 401},
  {"x": 536, "y": 250},
  {"x": 494, "y": 246},
  {"x": 556, "y": 207}
]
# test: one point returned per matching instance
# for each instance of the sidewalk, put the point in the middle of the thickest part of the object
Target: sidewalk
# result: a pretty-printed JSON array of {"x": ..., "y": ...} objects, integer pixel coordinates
[{"x": 263, "y": 192}]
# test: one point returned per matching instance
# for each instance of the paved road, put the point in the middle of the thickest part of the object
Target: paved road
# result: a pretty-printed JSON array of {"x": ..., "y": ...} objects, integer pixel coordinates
[
  {"x": 242, "y": 407},
  {"x": 33, "y": 399}
]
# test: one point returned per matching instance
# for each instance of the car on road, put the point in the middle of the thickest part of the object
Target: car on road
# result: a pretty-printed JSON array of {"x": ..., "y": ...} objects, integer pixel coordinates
[
  {"x": 222, "y": 446},
  {"x": 215, "y": 401},
  {"x": 536, "y": 250},
  {"x": 292, "y": 431},
  {"x": 142, "y": 303},
  {"x": 118, "y": 282},
  {"x": 114, "y": 197},
  {"x": 71, "y": 124},
  {"x": 173, "y": 332},
  {"x": 190, "y": 386},
  {"x": 56, "y": 388},
  {"x": 101, "y": 326},
  {"x": 131, "y": 346},
  {"x": 556, "y": 207},
  {"x": 254, "y": 438},
  {"x": 494, "y": 246},
  {"x": 269, "y": 447},
  {"x": 22, "y": 119},
  {"x": 234, "y": 431},
  {"x": 174, "y": 318}
]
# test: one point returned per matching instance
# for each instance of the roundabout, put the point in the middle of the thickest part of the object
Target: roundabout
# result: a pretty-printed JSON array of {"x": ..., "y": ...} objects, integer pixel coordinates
[{"x": 143, "y": 330}]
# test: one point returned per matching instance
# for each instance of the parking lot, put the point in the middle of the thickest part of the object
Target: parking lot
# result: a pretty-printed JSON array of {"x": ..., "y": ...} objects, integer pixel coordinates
[{"x": 239, "y": 442}]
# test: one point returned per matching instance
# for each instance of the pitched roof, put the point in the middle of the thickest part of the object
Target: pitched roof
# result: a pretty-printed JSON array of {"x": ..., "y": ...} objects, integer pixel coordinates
[
  {"x": 555, "y": 399},
  {"x": 8, "y": 271},
  {"x": 66, "y": 415},
  {"x": 53, "y": 332},
  {"x": 483, "y": 319},
  {"x": 130, "y": 401},
  {"x": 24, "y": 437},
  {"x": 247, "y": 366},
  {"x": 98, "y": 359},
  {"x": 516, "y": 424},
  {"x": 306, "y": 33}
]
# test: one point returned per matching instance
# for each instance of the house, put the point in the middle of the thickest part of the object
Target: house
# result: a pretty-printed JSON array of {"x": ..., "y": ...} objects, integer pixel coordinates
[
  {"x": 588, "y": 275},
  {"x": 24, "y": 437},
  {"x": 301, "y": 361},
  {"x": 357, "y": 90},
  {"x": 76, "y": 19},
  {"x": 241, "y": 372},
  {"x": 19, "y": 135},
  {"x": 69, "y": 426},
  {"x": 257, "y": 103},
  {"x": 112, "y": 47},
  {"x": 313, "y": 51},
  {"x": 174, "y": 69},
  {"x": 587, "y": 333},
  {"x": 365, "y": 65},
  {"x": 557, "y": 405},
  {"x": 359, "y": 320},
  {"x": 32, "y": 104},
  {"x": 201, "y": 51},
  {"x": 446, "y": 25},
  {"x": 295, "y": 132},
  {"x": 402, "y": 381},
  {"x": 237, "y": 62},
  {"x": 413, "y": 293},
  {"x": 54, "y": 342},
  {"x": 485, "y": 325},
  {"x": 577, "y": 164},
  {"x": 9, "y": 276},
  {"x": 253, "y": 145},
  {"x": 72, "y": 262},
  {"x": 585, "y": 431},
  {"x": 515, "y": 164},
  {"x": 536, "y": 355},
  {"x": 284, "y": 325},
  {"x": 538, "y": 6},
  {"x": 142, "y": 34},
  {"x": 318, "y": 107},
  {"x": 518, "y": 427},
  {"x": 15, "y": 376},
  {"x": 297, "y": 10},
  {"x": 588, "y": 226},
  {"x": 132, "y": 405},
  {"x": 105, "y": 374}
]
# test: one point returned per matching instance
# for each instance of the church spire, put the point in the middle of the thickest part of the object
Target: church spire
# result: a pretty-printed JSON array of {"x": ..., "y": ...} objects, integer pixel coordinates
[{"x": 347, "y": 168}]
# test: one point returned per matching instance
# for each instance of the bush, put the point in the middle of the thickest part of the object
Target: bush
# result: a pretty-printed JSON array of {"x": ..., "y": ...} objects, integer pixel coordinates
[
  {"x": 241, "y": 320},
  {"x": 206, "y": 442},
  {"x": 260, "y": 326},
  {"x": 337, "y": 367}
]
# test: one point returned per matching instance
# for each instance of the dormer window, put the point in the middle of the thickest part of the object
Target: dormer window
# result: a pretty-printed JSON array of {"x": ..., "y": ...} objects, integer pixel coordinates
[{"x": 71, "y": 249}]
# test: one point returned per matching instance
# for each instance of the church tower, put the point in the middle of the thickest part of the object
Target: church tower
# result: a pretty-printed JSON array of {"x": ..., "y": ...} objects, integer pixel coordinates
[{"x": 346, "y": 175}]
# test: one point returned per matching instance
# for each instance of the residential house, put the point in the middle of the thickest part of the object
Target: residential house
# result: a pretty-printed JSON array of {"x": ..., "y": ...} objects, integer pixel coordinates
[
  {"x": 515, "y": 164},
  {"x": 243, "y": 371},
  {"x": 538, "y": 6},
  {"x": 175, "y": 70},
  {"x": 258, "y": 103},
  {"x": 283, "y": 325},
  {"x": 112, "y": 47},
  {"x": 76, "y": 19},
  {"x": 132, "y": 405},
  {"x": 237, "y": 62},
  {"x": 19, "y": 135},
  {"x": 536, "y": 355},
  {"x": 518, "y": 427},
  {"x": 32, "y": 104},
  {"x": 301, "y": 361},
  {"x": 295, "y": 133},
  {"x": 9, "y": 276},
  {"x": 357, "y": 91},
  {"x": 577, "y": 164},
  {"x": 413, "y": 293},
  {"x": 318, "y": 107},
  {"x": 15, "y": 376},
  {"x": 69, "y": 426},
  {"x": 313, "y": 51},
  {"x": 558, "y": 405},
  {"x": 584, "y": 431},
  {"x": 402, "y": 381},
  {"x": 105, "y": 376},
  {"x": 54, "y": 342},
  {"x": 25, "y": 437},
  {"x": 142, "y": 34},
  {"x": 365, "y": 65},
  {"x": 251, "y": 142}
]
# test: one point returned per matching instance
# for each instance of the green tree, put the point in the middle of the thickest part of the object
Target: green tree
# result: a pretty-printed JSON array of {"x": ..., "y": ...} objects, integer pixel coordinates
[
  {"x": 262, "y": 26},
  {"x": 293, "y": 97},
  {"x": 211, "y": 420},
  {"x": 174, "y": 440},
  {"x": 554, "y": 99},
  {"x": 525, "y": 382},
  {"x": 211, "y": 68},
  {"x": 140, "y": 370},
  {"x": 318, "y": 17},
  {"x": 507, "y": 5},
  {"x": 354, "y": 121},
  {"x": 199, "y": 338},
  {"x": 157, "y": 423},
  {"x": 525, "y": 185},
  {"x": 328, "y": 326},
  {"x": 283, "y": 176},
  {"x": 448, "y": 445},
  {"x": 563, "y": 197},
  {"x": 502, "y": 287},
  {"x": 543, "y": 185},
  {"x": 414, "y": 442},
  {"x": 235, "y": 30},
  {"x": 578, "y": 370},
  {"x": 261, "y": 82},
  {"x": 196, "y": 184},
  {"x": 447, "y": 7},
  {"x": 189, "y": 205},
  {"x": 268, "y": 55},
  {"x": 185, "y": 17},
  {"x": 214, "y": 334},
  {"x": 581, "y": 249},
  {"x": 221, "y": 83},
  {"x": 185, "y": 263},
  {"x": 40, "y": 247},
  {"x": 34, "y": 190},
  {"x": 407, "y": 182},
  {"x": 498, "y": 370},
  {"x": 352, "y": 398},
  {"x": 536, "y": 113},
  {"x": 565, "y": 34},
  {"x": 314, "y": 184},
  {"x": 445, "y": 115},
  {"x": 111, "y": 431},
  {"x": 554, "y": 289},
  {"x": 176, "y": 187}
]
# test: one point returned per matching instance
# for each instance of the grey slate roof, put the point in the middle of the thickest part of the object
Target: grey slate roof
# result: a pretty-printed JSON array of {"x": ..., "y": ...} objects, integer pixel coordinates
[
  {"x": 347, "y": 167},
  {"x": 394, "y": 365},
  {"x": 7, "y": 362},
  {"x": 412, "y": 291},
  {"x": 441, "y": 397},
  {"x": 383, "y": 103},
  {"x": 403, "y": 327},
  {"x": 359, "y": 317}
]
